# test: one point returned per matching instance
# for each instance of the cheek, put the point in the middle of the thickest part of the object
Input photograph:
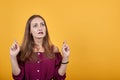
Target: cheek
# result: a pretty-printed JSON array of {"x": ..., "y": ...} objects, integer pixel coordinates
[
  {"x": 33, "y": 31},
  {"x": 45, "y": 31}
]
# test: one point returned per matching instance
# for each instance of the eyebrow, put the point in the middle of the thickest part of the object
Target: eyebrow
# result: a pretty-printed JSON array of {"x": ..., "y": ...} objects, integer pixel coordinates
[{"x": 37, "y": 23}]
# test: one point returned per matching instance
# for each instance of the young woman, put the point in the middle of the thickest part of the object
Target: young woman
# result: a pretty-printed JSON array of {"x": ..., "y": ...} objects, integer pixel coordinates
[{"x": 37, "y": 58}]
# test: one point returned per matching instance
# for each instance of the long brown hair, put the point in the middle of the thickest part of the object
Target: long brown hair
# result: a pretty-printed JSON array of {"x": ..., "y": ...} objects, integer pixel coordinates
[{"x": 27, "y": 52}]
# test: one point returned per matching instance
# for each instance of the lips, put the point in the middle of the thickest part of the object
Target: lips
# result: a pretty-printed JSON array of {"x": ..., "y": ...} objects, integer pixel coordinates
[{"x": 40, "y": 32}]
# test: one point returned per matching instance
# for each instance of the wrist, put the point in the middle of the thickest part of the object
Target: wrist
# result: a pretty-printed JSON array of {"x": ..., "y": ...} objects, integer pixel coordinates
[
  {"x": 65, "y": 62},
  {"x": 13, "y": 57},
  {"x": 65, "y": 58}
]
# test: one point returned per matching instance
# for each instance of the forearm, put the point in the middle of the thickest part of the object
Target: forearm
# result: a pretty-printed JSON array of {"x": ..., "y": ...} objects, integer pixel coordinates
[
  {"x": 15, "y": 66},
  {"x": 63, "y": 67}
]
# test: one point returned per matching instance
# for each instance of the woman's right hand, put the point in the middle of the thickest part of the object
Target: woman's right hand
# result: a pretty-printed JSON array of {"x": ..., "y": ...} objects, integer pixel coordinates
[{"x": 14, "y": 49}]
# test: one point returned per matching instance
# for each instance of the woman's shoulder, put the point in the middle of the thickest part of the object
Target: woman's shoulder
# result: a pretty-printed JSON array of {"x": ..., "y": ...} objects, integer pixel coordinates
[
  {"x": 55, "y": 49},
  {"x": 58, "y": 56},
  {"x": 57, "y": 52}
]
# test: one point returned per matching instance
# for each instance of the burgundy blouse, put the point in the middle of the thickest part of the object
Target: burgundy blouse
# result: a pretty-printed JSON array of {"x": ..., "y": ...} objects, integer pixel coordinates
[{"x": 43, "y": 69}]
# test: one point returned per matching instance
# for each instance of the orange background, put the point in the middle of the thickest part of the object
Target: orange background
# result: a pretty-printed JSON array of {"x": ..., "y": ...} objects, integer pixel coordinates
[{"x": 91, "y": 28}]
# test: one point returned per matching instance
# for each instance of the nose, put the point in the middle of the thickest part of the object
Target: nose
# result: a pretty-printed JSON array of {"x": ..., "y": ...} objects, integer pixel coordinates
[{"x": 39, "y": 27}]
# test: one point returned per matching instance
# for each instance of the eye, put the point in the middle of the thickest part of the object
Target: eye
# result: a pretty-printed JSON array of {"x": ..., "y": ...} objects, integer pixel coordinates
[
  {"x": 42, "y": 24},
  {"x": 35, "y": 25}
]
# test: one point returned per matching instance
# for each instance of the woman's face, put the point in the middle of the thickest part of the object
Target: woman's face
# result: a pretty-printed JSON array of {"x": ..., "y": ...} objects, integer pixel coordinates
[{"x": 38, "y": 28}]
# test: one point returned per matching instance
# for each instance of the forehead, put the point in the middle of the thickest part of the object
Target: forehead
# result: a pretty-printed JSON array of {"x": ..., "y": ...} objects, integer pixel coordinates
[{"x": 37, "y": 20}]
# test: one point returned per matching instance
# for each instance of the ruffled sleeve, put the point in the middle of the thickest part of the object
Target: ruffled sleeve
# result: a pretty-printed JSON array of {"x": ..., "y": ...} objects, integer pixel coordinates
[
  {"x": 57, "y": 65},
  {"x": 21, "y": 75}
]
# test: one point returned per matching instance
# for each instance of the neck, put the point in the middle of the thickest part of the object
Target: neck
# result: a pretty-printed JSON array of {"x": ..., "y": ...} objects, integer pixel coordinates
[
  {"x": 38, "y": 45},
  {"x": 38, "y": 42}
]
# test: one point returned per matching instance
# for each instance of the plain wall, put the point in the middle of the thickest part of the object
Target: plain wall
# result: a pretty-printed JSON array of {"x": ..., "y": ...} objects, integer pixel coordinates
[{"x": 91, "y": 28}]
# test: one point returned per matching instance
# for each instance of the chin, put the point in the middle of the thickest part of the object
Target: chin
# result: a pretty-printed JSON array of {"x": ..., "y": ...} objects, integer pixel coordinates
[{"x": 40, "y": 37}]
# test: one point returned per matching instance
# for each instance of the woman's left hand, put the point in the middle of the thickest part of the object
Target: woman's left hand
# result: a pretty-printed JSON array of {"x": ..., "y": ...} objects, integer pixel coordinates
[{"x": 65, "y": 50}]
